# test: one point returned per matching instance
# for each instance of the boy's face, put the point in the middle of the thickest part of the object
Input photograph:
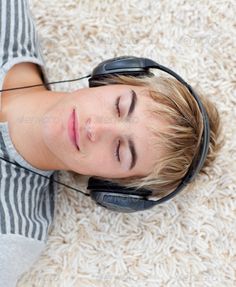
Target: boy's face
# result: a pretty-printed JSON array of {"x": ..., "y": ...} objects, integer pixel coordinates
[{"x": 98, "y": 140}]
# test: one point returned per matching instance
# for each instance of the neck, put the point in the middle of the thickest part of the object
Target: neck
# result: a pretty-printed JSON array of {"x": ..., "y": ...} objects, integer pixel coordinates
[{"x": 25, "y": 115}]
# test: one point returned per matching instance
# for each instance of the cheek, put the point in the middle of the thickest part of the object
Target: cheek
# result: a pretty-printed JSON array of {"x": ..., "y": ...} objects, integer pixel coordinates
[
  {"x": 97, "y": 156},
  {"x": 96, "y": 159}
]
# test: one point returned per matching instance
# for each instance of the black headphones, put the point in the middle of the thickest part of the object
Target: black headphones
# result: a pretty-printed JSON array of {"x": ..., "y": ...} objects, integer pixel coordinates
[{"x": 116, "y": 197}]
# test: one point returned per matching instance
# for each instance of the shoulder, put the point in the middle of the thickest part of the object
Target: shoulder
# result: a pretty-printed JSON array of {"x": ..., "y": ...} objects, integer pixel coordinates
[
  {"x": 17, "y": 254},
  {"x": 23, "y": 74}
]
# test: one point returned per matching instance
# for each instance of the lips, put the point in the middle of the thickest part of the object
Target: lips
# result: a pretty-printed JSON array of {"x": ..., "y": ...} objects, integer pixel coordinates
[{"x": 73, "y": 130}]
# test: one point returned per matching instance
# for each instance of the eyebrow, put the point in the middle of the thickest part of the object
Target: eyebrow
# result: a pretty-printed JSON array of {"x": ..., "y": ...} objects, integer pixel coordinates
[{"x": 132, "y": 148}]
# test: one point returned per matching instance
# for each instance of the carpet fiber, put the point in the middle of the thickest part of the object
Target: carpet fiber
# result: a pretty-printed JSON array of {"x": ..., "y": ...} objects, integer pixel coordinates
[{"x": 191, "y": 240}]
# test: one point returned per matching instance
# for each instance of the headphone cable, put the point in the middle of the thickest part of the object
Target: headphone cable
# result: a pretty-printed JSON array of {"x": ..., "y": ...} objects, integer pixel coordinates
[
  {"x": 45, "y": 84},
  {"x": 46, "y": 177}
]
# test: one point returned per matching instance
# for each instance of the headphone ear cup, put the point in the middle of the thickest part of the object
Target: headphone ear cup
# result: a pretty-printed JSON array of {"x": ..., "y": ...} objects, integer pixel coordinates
[
  {"x": 121, "y": 202},
  {"x": 108, "y": 186},
  {"x": 125, "y": 65},
  {"x": 117, "y": 198}
]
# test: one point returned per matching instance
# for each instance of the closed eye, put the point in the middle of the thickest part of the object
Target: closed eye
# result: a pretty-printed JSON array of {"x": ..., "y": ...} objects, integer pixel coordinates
[
  {"x": 118, "y": 151},
  {"x": 131, "y": 144}
]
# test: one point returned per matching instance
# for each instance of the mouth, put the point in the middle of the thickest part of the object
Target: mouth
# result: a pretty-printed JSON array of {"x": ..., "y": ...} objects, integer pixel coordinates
[{"x": 73, "y": 130}]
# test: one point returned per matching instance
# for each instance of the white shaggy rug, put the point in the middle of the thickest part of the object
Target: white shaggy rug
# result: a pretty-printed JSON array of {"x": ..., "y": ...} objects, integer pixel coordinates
[{"x": 191, "y": 240}]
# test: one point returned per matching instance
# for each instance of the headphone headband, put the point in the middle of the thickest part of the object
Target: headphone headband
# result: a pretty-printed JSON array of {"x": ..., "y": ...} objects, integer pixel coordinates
[{"x": 134, "y": 66}]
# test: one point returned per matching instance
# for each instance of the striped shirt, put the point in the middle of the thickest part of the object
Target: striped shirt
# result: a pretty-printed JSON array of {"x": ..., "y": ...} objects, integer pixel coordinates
[{"x": 27, "y": 200}]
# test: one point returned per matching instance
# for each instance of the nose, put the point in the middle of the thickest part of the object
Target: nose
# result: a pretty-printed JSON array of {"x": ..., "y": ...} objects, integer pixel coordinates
[
  {"x": 101, "y": 127},
  {"x": 88, "y": 130}
]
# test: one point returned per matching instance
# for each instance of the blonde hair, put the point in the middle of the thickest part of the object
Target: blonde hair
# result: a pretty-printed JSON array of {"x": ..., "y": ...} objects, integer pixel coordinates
[{"x": 173, "y": 102}]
